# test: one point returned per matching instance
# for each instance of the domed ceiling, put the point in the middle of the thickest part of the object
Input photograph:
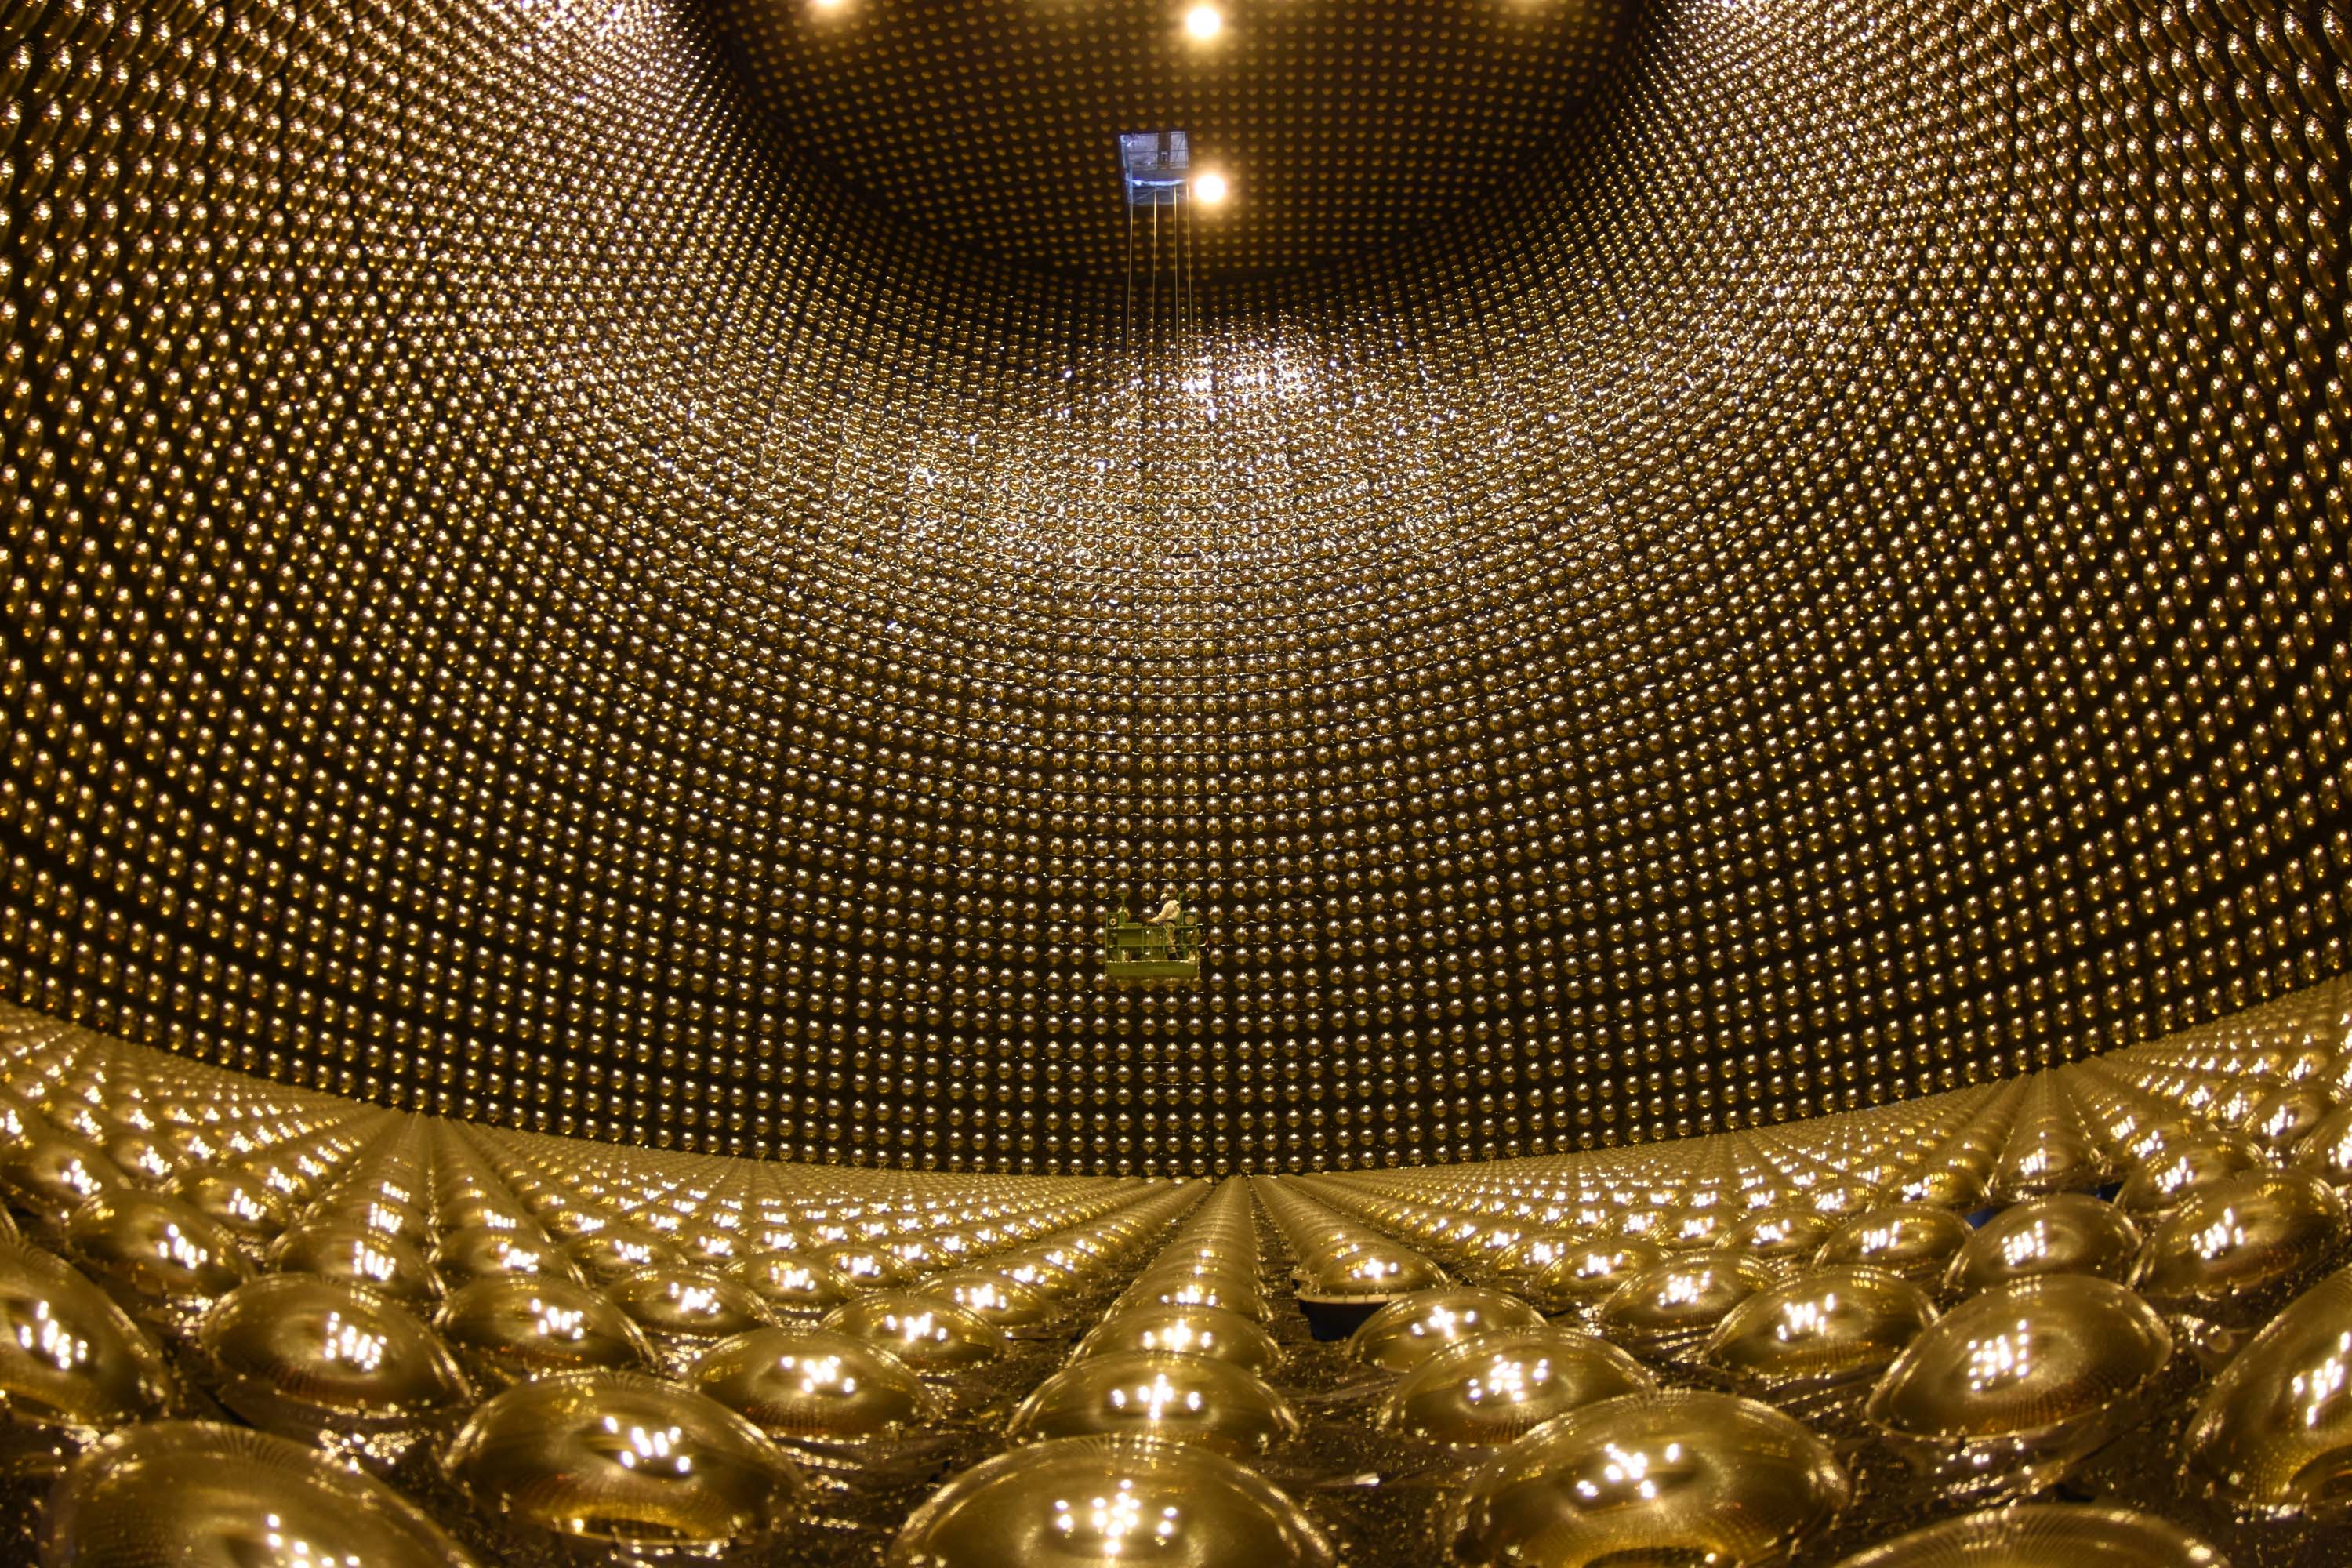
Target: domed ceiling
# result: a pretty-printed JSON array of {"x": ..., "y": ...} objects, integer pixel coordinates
[{"x": 1340, "y": 123}]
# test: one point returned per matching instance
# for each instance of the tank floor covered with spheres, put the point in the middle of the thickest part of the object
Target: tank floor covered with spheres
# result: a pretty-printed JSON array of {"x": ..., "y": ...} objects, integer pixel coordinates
[{"x": 250, "y": 1324}]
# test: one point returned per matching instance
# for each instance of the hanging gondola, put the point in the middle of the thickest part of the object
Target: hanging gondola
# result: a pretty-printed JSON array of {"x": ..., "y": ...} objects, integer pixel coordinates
[{"x": 1164, "y": 951}]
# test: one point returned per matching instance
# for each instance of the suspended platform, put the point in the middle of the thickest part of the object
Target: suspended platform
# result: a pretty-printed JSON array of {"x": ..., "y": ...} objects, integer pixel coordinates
[{"x": 1143, "y": 954}]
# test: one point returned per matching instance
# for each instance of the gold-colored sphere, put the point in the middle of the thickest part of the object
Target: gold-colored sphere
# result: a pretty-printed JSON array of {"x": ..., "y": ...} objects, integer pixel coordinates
[
  {"x": 296, "y": 1352},
  {"x": 352, "y": 1254},
  {"x": 480, "y": 1252},
  {"x": 69, "y": 1358},
  {"x": 2007, "y": 1389},
  {"x": 616, "y": 1250},
  {"x": 1584, "y": 1276},
  {"x": 1368, "y": 1272},
  {"x": 240, "y": 1204},
  {"x": 2054, "y": 1160},
  {"x": 625, "y": 1459},
  {"x": 2233, "y": 1245},
  {"x": 1493, "y": 1389},
  {"x": 1411, "y": 1329},
  {"x": 223, "y": 1497},
  {"x": 1107, "y": 1502},
  {"x": 1674, "y": 1305},
  {"x": 2184, "y": 1167},
  {"x": 1184, "y": 1331},
  {"x": 1168, "y": 1394},
  {"x": 2326, "y": 1150},
  {"x": 1823, "y": 1330},
  {"x": 793, "y": 1285},
  {"x": 813, "y": 1383},
  {"x": 512, "y": 1328},
  {"x": 157, "y": 1251},
  {"x": 1669, "y": 1478},
  {"x": 927, "y": 1333},
  {"x": 992, "y": 1296},
  {"x": 2066, "y": 1233},
  {"x": 2273, "y": 1434},
  {"x": 2043, "y": 1535},
  {"x": 1783, "y": 1236},
  {"x": 49, "y": 1174},
  {"x": 676, "y": 1303}
]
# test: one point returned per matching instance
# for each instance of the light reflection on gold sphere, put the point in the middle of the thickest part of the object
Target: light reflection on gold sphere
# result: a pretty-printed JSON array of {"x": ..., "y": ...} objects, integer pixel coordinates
[
  {"x": 1659, "y": 1477},
  {"x": 201, "y": 1495},
  {"x": 512, "y": 1328},
  {"x": 1370, "y": 1271},
  {"x": 675, "y": 1302},
  {"x": 1158, "y": 1393},
  {"x": 1185, "y": 1330},
  {"x": 1673, "y": 1305},
  {"x": 792, "y": 1284},
  {"x": 1108, "y": 1502},
  {"x": 1818, "y": 1331},
  {"x": 69, "y": 1357},
  {"x": 2066, "y": 1233},
  {"x": 1493, "y": 1389},
  {"x": 2185, "y": 1166},
  {"x": 992, "y": 1296},
  {"x": 813, "y": 1383},
  {"x": 482, "y": 1252},
  {"x": 1411, "y": 1329},
  {"x": 238, "y": 1201},
  {"x": 1587, "y": 1274},
  {"x": 2228, "y": 1249},
  {"x": 2009, "y": 1388},
  {"x": 1914, "y": 1240},
  {"x": 2274, "y": 1433},
  {"x": 1785, "y": 1237},
  {"x": 2043, "y": 1535},
  {"x": 295, "y": 1349},
  {"x": 622, "y": 1459},
  {"x": 2326, "y": 1150},
  {"x": 352, "y": 1254},
  {"x": 52, "y": 1173},
  {"x": 928, "y": 1334},
  {"x": 156, "y": 1250}
]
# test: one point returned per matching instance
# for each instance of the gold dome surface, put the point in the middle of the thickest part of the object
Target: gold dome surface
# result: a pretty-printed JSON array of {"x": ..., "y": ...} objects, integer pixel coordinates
[
  {"x": 1185, "y": 1330},
  {"x": 1165, "y": 1395},
  {"x": 1411, "y": 1329},
  {"x": 1822, "y": 1328},
  {"x": 1100, "y": 1502},
  {"x": 2013, "y": 1385},
  {"x": 2043, "y": 1535},
  {"x": 618, "y": 1457},
  {"x": 1495, "y": 1388},
  {"x": 69, "y": 1357},
  {"x": 1672, "y": 1476},
  {"x": 2274, "y": 1432},
  {"x": 294, "y": 1349},
  {"x": 812, "y": 1382},
  {"x": 205, "y": 1496}
]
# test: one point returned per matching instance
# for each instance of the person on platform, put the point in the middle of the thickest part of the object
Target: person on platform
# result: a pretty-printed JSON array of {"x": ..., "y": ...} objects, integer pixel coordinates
[{"x": 1171, "y": 912}]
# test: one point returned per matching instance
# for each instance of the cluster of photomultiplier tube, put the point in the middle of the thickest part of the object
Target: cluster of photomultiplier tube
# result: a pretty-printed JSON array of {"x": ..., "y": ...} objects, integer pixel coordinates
[
  {"x": 527, "y": 604},
  {"x": 2098, "y": 1315}
]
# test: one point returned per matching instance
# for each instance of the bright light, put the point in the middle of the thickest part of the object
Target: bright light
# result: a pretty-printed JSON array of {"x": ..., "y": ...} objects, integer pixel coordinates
[
  {"x": 1209, "y": 189},
  {"x": 1205, "y": 22},
  {"x": 826, "y": 4}
]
